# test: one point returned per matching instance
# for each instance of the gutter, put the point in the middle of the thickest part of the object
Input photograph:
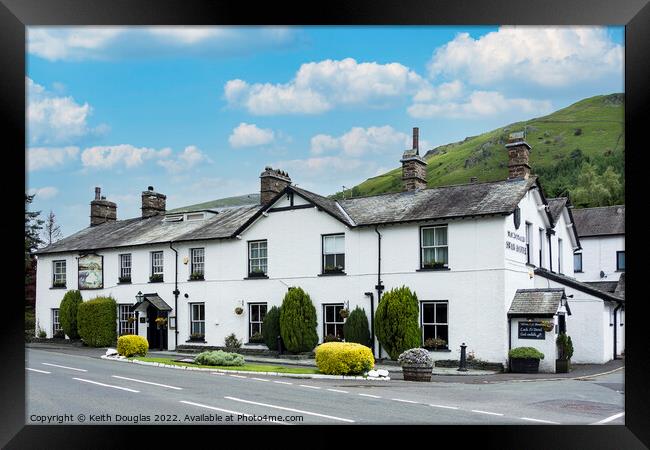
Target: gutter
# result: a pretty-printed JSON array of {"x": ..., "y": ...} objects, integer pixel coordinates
[
  {"x": 176, "y": 292},
  {"x": 615, "y": 327},
  {"x": 379, "y": 287}
]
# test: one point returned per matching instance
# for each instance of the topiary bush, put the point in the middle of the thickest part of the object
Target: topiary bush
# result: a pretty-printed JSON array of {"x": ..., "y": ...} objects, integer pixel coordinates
[
  {"x": 68, "y": 313},
  {"x": 564, "y": 346},
  {"x": 344, "y": 358},
  {"x": 525, "y": 353},
  {"x": 271, "y": 328},
  {"x": 231, "y": 341},
  {"x": 219, "y": 358},
  {"x": 96, "y": 321},
  {"x": 356, "y": 329},
  {"x": 396, "y": 321},
  {"x": 298, "y": 321},
  {"x": 132, "y": 345}
]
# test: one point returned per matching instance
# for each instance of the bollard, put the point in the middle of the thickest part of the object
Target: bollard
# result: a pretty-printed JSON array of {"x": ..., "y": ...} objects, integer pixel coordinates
[
  {"x": 280, "y": 345},
  {"x": 463, "y": 360}
]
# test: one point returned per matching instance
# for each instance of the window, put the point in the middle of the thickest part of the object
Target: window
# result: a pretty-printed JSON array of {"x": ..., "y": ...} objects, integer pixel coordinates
[
  {"x": 156, "y": 266},
  {"x": 56, "y": 322},
  {"x": 194, "y": 216},
  {"x": 126, "y": 319},
  {"x": 125, "y": 268},
  {"x": 433, "y": 320},
  {"x": 257, "y": 258},
  {"x": 529, "y": 242},
  {"x": 434, "y": 251},
  {"x": 333, "y": 253},
  {"x": 559, "y": 255},
  {"x": 577, "y": 262},
  {"x": 58, "y": 273},
  {"x": 620, "y": 261},
  {"x": 197, "y": 257},
  {"x": 541, "y": 247},
  {"x": 332, "y": 320},
  {"x": 257, "y": 313},
  {"x": 197, "y": 319}
]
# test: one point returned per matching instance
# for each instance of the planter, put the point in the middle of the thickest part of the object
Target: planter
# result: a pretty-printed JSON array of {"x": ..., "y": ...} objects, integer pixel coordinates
[
  {"x": 524, "y": 365},
  {"x": 562, "y": 365},
  {"x": 417, "y": 372},
  {"x": 256, "y": 275}
]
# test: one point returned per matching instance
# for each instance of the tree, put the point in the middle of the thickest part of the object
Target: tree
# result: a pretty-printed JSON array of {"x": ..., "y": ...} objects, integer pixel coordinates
[
  {"x": 68, "y": 310},
  {"x": 51, "y": 229},
  {"x": 355, "y": 328},
  {"x": 271, "y": 328},
  {"x": 593, "y": 189},
  {"x": 33, "y": 225},
  {"x": 396, "y": 321},
  {"x": 298, "y": 321}
]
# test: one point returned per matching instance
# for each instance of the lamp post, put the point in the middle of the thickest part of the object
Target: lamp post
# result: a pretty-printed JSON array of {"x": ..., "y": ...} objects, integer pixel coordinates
[{"x": 139, "y": 297}]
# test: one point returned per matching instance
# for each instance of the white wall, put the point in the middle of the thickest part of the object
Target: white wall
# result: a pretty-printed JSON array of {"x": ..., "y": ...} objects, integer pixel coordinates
[
  {"x": 546, "y": 346},
  {"x": 599, "y": 253}
]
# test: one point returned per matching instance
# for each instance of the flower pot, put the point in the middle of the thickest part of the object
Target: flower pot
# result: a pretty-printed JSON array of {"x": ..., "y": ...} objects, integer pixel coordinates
[
  {"x": 417, "y": 372},
  {"x": 562, "y": 365},
  {"x": 524, "y": 365}
]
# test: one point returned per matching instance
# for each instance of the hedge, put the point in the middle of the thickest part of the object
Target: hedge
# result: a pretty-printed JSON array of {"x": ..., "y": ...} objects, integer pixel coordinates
[
  {"x": 271, "y": 328},
  {"x": 344, "y": 358},
  {"x": 298, "y": 321},
  {"x": 356, "y": 329},
  {"x": 132, "y": 345},
  {"x": 96, "y": 321},
  {"x": 525, "y": 353},
  {"x": 68, "y": 309},
  {"x": 219, "y": 358},
  {"x": 396, "y": 321}
]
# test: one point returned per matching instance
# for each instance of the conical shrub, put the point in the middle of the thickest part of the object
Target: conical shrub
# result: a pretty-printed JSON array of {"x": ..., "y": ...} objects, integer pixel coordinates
[
  {"x": 356, "y": 329},
  {"x": 298, "y": 321},
  {"x": 396, "y": 321}
]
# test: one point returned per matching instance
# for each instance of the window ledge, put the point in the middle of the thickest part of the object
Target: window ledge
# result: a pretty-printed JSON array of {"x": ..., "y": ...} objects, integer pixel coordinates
[
  {"x": 620, "y": 270},
  {"x": 255, "y": 343},
  {"x": 196, "y": 341},
  {"x": 331, "y": 274},
  {"x": 257, "y": 277},
  {"x": 58, "y": 287},
  {"x": 196, "y": 279},
  {"x": 157, "y": 281},
  {"x": 443, "y": 350},
  {"x": 123, "y": 282},
  {"x": 433, "y": 269},
  {"x": 578, "y": 271}
]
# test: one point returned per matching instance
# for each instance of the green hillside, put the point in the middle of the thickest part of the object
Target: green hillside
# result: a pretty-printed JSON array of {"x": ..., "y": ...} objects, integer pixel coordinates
[
  {"x": 577, "y": 150},
  {"x": 238, "y": 200}
]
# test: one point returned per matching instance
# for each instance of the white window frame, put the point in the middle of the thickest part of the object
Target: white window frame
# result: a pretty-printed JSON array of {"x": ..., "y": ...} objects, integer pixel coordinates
[
  {"x": 529, "y": 243},
  {"x": 435, "y": 247},
  {"x": 542, "y": 253},
  {"x": 125, "y": 265},
  {"x": 560, "y": 266},
  {"x": 56, "y": 321},
  {"x": 153, "y": 263},
  {"x": 200, "y": 321},
  {"x": 337, "y": 255},
  {"x": 258, "y": 262},
  {"x": 197, "y": 259},
  {"x": 59, "y": 276},
  {"x": 338, "y": 320},
  {"x": 123, "y": 314},
  {"x": 257, "y": 324},
  {"x": 435, "y": 322}
]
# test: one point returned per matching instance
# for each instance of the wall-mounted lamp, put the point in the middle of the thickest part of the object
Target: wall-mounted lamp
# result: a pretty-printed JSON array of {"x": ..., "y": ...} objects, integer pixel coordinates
[{"x": 139, "y": 297}]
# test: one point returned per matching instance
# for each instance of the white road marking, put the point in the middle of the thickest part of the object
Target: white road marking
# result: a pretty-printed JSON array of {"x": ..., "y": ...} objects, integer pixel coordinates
[
  {"x": 259, "y": 379},
  {"x": 308, "y": 386},
  {"x": 148, "y": 382},
  {"x": 540, "y": 420},
  {"x": 403, "y": 401},
  {"x": 237, "y": 376},
  {"x": 105, "y": 385},
  {"x": 486, "y": 412},
  {"x": 609, "y": 419},
  {"x": 338, "y": 390},
  {"x": 65, "y": 367},
  {"x": 370, "y": 395},
  {"x": 282, "y": 382},
  {"x": 217, "y": 373},
  {"x": 291, "y": 409},
  {"x": 443, "y": 406},
  {"x": 36, "y": 370},
  {"x": 227, "y": 411}
]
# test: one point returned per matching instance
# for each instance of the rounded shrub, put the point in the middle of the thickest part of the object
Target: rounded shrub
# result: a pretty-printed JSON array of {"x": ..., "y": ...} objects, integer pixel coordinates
[
  {"x": 219, "y": 358},
  {"x": 525, "y": 353},
  {"x": 271, "y": 328},
  {"x": 132, "y": 345},
  {"x": 356, "y": 329},
  {"x": 298, "y": 321},
  {"x": 396, "y": 321},
  {"x": 68, "y": 313},
  {"x": 344, "y": 358},
  {"x": 96, "y": 321}
]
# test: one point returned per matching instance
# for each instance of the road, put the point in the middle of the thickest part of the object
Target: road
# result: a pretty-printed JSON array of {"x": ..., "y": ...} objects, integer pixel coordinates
[{"x": 79, "y": 389}]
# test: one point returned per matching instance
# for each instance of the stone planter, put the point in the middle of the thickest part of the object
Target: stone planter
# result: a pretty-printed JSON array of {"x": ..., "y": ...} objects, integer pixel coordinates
[
  {"x": 524, "y": 365},
  {"x": 417, "y": 372},
  {"x": 562, "y": 365}
]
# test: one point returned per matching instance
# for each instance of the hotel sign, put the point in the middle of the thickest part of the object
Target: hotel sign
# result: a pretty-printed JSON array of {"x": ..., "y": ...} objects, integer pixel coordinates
[
  {"x": 516, "y": 243},
  {"x": 531, "y": 330},
  {"x": 91, "y": 272}
]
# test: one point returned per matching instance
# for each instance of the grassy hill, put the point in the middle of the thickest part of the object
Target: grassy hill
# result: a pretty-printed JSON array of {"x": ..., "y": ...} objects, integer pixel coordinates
[
  {"x": 571, "y": 151},
  {"x": 238, "y": 200}
]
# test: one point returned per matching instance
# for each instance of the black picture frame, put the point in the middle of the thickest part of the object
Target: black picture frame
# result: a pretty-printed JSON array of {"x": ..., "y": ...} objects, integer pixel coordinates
[{"x": 15, "y": 15}]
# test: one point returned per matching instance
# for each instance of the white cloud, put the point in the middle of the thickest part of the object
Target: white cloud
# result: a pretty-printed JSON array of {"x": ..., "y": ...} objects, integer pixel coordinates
[
  {"x": 38, "y": 158},
  {"x": 106, "y": 157},
  {"x": 547, "y": 56},
  {"x": 189, "y": 158},
  {"x": 44, "y": 193},
  {"x": 249, "y": 135},
  {"x": 319, "y": 86},
  {"x": 312, "y": 166},
  {"x": 360, "y": 141}
]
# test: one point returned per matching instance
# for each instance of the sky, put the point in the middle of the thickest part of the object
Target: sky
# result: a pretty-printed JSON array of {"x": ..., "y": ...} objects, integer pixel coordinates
[{"x": 198, "y": 112}]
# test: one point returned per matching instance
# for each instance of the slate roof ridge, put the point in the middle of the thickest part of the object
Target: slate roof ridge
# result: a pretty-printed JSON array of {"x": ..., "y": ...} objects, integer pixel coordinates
[{"x": 577, "y": 284}]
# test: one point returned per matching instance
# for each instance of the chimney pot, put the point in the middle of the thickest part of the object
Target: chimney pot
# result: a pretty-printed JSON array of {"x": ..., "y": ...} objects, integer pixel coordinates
[
  {"x": 150, "y": 188},
  {"x": 101, "y": 210},
  {"x": 272, "y": 182},
  {"x": 518, "y": 156},
  {"x": 153, "y": 203},
  {"x": 416, "y": 140},
  {"x": 414, "y": 168},
  {"x": 98, "y": 191}
]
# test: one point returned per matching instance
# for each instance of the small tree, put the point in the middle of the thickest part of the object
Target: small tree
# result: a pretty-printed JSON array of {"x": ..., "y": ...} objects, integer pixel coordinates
[
  {"x": 271, "y": 328},
  {"x": 396, "y": 321},
  {"x": 68, "y": 313},
  {"x": 564, "y": 346},
  {"x": 355, "y": 328},
  {"x": 96, "y": 321},
  {"x": 51, "y": 229},
  {"x": 298, "y": 321}
]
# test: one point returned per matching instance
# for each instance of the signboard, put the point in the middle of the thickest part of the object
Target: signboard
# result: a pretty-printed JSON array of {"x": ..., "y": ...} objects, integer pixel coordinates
[
  {"x": 91, "y": 275},
  {"x": 516, "y": 243},
  {"x": 531, "y": 330}
]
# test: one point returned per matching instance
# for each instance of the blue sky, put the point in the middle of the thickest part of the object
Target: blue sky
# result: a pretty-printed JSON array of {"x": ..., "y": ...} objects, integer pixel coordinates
[{"x": 198, "y": 112}]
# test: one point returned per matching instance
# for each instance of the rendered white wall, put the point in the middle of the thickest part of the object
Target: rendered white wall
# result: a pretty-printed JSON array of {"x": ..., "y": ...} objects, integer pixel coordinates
[{"x": 599, "y": 253}]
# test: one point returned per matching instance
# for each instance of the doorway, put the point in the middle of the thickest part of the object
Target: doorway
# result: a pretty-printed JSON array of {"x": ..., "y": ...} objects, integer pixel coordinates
[{"x": 156, "y": 334}]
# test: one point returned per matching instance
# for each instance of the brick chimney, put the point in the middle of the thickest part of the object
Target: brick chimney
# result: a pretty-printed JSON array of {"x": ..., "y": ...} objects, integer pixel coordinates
[
  {"x": 153, "y": 203},
  {"x": 272, "y": 182},
  {"x": 414, "y": 168},
  {"x": 518, "y": 155},
  {"x": 101, "y": 210}
]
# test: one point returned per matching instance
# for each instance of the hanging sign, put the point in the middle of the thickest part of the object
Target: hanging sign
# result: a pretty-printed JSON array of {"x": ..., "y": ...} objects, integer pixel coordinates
[{"x": 91, "y": 275}]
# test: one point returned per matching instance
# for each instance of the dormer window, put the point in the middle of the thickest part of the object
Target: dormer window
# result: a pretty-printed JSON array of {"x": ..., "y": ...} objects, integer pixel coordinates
[
  {"x": 194, "y": 216},
  {"x": 174, "y": 218}
]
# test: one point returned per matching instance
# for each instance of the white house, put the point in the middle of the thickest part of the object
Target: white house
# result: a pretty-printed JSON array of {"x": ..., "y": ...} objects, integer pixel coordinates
[{"x": 466, "y": 250}]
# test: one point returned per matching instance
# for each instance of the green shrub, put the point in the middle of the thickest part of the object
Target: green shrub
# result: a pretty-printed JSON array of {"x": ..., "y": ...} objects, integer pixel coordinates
[
  {"x": 396, "y": 321},
  {"x": 132, "y": 345},
  {"x": 564, "y": 346},
  {"x": 68, "y": 313},
  {"x": 271, "y": 328},
  {"x": 356, "y": 329},
  {"x": 525, "y": 353},
  {"x": 298, "y": 321},
  {"x": 219, "y": 358},
  {"x": 96, "y": 321},
  {"x": 344, "y": 358},
  {"x": 231, "y": 341}
]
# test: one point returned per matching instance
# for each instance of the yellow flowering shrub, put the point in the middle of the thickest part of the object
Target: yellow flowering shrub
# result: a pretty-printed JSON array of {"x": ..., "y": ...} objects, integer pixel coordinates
[
  {"x": 132, "y": 345},
  {"x": 344, "y": 358}
]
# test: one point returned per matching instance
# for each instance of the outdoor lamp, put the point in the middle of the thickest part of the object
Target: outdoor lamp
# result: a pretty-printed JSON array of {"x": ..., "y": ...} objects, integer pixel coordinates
[{"x": 139, "y": 297}]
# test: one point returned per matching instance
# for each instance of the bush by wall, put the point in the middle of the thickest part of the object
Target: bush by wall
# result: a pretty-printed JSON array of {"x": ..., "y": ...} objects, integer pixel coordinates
[
  {"x": 271, "y": 328},
  {"x": 564, "y": 346},
  {"x": 68, "y": 313},
  {"x": 298, "y": 321},
  {"x": 356, "y": 329},
  {"x": 231, "y": 341},
  {"x": 132, "y": 345},
  {"x": 344, "y": 358},
  {"x": 96, "y": 321},
  {"x": 219, "y": 358},
  {"x": 396, "y": 321},
  {"x": 525, "y": 353}
]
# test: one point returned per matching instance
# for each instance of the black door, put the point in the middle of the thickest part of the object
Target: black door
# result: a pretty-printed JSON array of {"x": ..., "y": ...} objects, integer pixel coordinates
[{"x": 156, "y": 335}]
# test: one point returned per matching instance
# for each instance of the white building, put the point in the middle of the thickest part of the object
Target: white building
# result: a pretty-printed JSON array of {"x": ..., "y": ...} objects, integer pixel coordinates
[{"x": 464, "y": 249}]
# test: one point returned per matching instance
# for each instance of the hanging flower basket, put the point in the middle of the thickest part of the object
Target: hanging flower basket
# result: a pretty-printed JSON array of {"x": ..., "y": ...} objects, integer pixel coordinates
[
  {"x": 239, "y": 310},
  {"x": 161, "y": 322},
  {"x": 344, "y": 313},
  {"x": 547, "y": 325}
]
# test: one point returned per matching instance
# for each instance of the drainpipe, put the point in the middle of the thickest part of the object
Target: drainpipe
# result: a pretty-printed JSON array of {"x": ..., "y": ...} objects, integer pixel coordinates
[
  {"x": 616, "y": 326},
  {"x": 176, "y": 292},
  {"x": 379, "y": 286}
]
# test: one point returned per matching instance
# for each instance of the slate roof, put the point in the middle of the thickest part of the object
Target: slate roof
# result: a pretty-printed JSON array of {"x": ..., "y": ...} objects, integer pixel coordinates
[
  {"x": 555, "y": 206},
  {"x": 616, "y": 288},
  {"x": 536, "y": 302},
  {"x": 579, "y": 285},
  {"x": 601, "y": 221},
  {"x": 620, "y": 286}
]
